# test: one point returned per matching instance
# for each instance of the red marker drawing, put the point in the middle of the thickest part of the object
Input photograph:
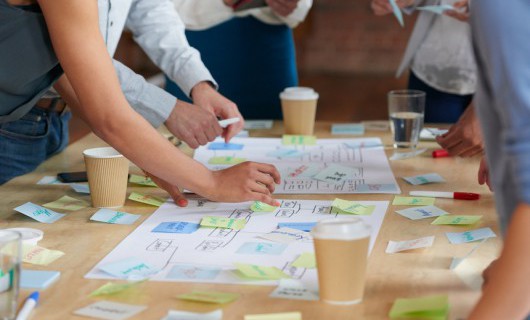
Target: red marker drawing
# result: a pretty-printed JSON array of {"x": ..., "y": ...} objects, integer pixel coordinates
[{"x": 450, "y": 195}]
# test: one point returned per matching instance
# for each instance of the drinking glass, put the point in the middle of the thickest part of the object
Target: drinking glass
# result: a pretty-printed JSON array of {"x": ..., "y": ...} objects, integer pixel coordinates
[
  {"x": 10, "y": 256},
  {"x": 406, "y": 111}
]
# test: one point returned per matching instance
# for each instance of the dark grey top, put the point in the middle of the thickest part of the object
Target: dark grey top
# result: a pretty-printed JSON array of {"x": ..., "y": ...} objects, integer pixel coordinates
[{"x": 28, "y": 65}]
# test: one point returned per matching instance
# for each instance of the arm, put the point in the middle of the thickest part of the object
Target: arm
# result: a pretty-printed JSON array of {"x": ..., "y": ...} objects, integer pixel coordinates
[
  {"x": 289, "y": 12},
  {"x": 464, "y": 138}
]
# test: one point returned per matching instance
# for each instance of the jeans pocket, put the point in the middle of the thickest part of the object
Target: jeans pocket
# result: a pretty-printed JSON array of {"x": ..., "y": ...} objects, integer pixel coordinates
[{"x": 29, "y": 127}]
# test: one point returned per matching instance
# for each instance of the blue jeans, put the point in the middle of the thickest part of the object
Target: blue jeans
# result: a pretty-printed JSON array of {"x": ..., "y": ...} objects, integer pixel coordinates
[{"x": 27, "y": 142}]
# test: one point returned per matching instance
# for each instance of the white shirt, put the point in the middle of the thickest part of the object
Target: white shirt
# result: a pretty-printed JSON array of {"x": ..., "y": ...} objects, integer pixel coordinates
[{"x": 203, "y": 14}]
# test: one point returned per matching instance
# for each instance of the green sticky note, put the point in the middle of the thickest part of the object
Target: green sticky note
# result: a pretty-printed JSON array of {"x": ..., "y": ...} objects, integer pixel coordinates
[
  {"x": 433, "y": 307},
  {"x": 456, "y": 220},
  {"x": 290, "y": 140},
  {"x": 413, "y": 201},
  {"x": 67, "y": 203},
  {"x": 209, "y": 296},
  {"x": 351, "y": 207},
  {"x": 259, "y": 206},
  {"x": 305, "y": 260},
  {"x": 113, "y": 288},
  {"x": 147, "y": 199},
  {"x": 275, "y": 316},
  {"x": 141, "y": 180},
  {"x": 226, "y": 160},
  {"x": 221, "y": 222},
  {"x": 255, "y": 272}
]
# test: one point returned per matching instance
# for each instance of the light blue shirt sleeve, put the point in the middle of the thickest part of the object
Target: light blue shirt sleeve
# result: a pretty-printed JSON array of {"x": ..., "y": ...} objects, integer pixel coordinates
[{"x": 158, "y": 29}]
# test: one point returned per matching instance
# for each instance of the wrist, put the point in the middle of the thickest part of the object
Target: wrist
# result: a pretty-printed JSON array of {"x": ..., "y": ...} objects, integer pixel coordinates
[{"x": 201, "y": 87}]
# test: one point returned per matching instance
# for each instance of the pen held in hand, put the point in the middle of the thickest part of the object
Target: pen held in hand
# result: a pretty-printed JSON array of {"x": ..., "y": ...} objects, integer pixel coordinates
[{"x": 226, "y": 122}]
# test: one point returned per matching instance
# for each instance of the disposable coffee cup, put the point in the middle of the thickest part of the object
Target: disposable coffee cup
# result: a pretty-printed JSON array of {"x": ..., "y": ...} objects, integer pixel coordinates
[
  {"x": 107, "y": 172},
  {"x": 299, "y": 107},
  {"x": 341, "y": 249}
]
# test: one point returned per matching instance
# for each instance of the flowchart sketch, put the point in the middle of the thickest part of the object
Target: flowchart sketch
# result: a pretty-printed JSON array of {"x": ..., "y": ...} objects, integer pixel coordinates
[
  {"x": 212, "y": 254},
  {"x": 331, "y": 166}
]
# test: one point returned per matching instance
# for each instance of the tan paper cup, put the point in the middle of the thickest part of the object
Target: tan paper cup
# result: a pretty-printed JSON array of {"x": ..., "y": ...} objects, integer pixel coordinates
[
  {"x": 107, "y": 172},
  {"x": 341, "y": 249},
  {"x": 299, "y": 107}
]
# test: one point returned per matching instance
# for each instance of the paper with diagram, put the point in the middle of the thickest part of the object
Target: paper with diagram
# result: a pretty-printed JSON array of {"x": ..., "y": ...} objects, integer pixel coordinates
[
  {"x": 212, "y": 254},
  {"x": 331, "y": 166}
]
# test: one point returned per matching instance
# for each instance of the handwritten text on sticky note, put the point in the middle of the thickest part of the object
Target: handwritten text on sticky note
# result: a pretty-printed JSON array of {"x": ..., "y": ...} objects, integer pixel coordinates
[
  {"x": 221, "y": 222},
  {"x": 413, "y": 201},
  {"x": 39, "y": 213}
]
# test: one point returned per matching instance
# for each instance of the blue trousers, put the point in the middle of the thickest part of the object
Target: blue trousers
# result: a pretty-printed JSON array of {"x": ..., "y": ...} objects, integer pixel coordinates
[{"x": 29, "y": 141}]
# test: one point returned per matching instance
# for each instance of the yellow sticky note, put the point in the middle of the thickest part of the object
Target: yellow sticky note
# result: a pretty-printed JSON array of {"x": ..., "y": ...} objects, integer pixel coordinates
[
  {"x": 351, "y": 207},
  {"x": 255, "y": 272},
  {"x": 292, "y": 140},
  {"x": 142, "y": 180},
  {"x": 413, "y": 201},
  {"x": 209, "y": 296},
  {"x": 457, "y": 220},
  {"x": 305, "y": 260},
  {"x": 226, "y": 160},
  {"x": 221, "y": 222},
  {"x": 39, "y": 255},
  {"x": 433, "y": 307},
  {"x": 113, "y": 288},
  {"x": 275, "y": 316},
  {"x": 67, "y": 203},
  {"x": 147, "y": 199},
  {"x": 259, "y": 206}
]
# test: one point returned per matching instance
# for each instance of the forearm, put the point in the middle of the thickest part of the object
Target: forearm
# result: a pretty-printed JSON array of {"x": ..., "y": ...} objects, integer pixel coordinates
[{"x": 298, "y": 15}]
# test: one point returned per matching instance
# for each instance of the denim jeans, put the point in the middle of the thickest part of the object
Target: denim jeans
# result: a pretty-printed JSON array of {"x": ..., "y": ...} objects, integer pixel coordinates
[{"x": 29, "y": 141}]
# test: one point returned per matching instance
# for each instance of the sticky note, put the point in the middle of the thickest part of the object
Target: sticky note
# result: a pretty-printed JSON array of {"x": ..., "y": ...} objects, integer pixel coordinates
[
  {"x": 285, "y": 153},
  {"x": 397, "y": 12},
  {"x": 110, "y": 310},
  {"x": 189, "y": 272},
  {"x": 470, "y": 236},
  {"x": 456, "y": 220},
  {"x": 224, "y": 146},
  {"x": 147, "y": 199},
  {"x": 130, "y": 268},
  {"x": 80, "y": 188},
  {"x": 351, "y": 207},
  {"x": 397, "y": 246},
  {"x": 413, "y": 201},
  {"x": 258, "y": 124},
  {"x": 406, "y": 155},
  {"x": 39, "y": 213},
  {"x": 440, "y": 9},
  {"x": 275, "y": 316},
  {"x": 38, "y": 279},
  {"x": 209, "y": 296},
  {"x": 67, "y": 203},
  {"x": 187, "y": 315},
  {"x": 262, "y": 248},
  {"x": 258, "y": 206},
  {"x": 418, "y": 213},
  {"x": 304, "y": 226},
  {"x": 255, "y": 272},
  {"x": 286, "y": 235},
  {"x": 424, "y": 179},
  {"x": 376, "y": 125},
  {"x": 176, "y": 227},
  {"x": 114, "y": 217},
  {"x": 433, "y": 307},
  {"x": 48, "y": 180},
  {"x": 293, "y": 289},
  {"x": 142, "y": 180},
  {"x": 336, "y": 174},
  {"x": 292, "y": 140},
  {"x": 305, "y": 260},
  {"x": 39, "y": 255},
  {"x": 226, "y": 160},
  {"x": 110, "y": 288},
  {"x": 221, "y": 222},
  {"x": 347, "y": 128}
]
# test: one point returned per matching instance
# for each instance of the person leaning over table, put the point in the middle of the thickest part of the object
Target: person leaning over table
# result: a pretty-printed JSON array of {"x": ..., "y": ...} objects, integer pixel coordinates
[
  {"x": 500, "y": 34},
  {"x": 238, "y": 45},
  {"x": 35, "y": 48}
]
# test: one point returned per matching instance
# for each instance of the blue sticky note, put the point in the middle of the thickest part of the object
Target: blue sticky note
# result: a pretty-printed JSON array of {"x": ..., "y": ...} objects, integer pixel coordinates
[
  {"x": 176, "y": 227},
  {"x": 397, "y": 12},
  {"x": 37, "y": 279},
  {"x": 39, "y": 213},
  {"x": 470, "y": 236},
  {"x": 304, "y": 226},
  {"x": 131, "y": 269},
  {"x": 225, "y": 146},
  {"x": 114, "y": 217},
  {"x": 424, "y": 178},
  {"x": 347, "y": 128},
  {"x": 181, "y": 272},
  {"x": 285, "y": 153},
  {"x": 262, "y": 248}
]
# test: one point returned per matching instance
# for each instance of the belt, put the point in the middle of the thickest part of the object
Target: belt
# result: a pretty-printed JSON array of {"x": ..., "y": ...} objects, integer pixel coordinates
[{"x": 52, "y": 104}]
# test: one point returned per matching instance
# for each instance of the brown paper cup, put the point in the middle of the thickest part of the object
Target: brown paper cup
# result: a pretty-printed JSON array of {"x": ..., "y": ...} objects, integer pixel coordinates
[
  {"x": 299, "y": 107},
  {"x": 107, "y": 172},
  {"x": 341, "y": 249}
]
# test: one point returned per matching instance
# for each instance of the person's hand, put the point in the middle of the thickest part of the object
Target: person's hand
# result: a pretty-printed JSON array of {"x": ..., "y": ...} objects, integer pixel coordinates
[
  {"x": 282, "y": 8},
  {"x": 193, "y": 125},
  {"x": 464, "y": 138},
  {"x": 209, "y": 99},
  {"x": 487, "y": 273},
  {"x": 484, "y": 173},
  {"x": 461, "y": 11},
  {"x": 173, "y": 191},
  {"x": 247, "y": 181},
  {"x": 382, "y": 7}
]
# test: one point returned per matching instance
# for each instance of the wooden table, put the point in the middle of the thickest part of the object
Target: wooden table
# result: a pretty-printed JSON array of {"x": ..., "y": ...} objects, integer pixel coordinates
[{"x": 411, "y": 274}]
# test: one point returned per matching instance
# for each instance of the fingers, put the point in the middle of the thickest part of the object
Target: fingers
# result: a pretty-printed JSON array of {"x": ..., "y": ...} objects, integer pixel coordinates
[
  {"x": 173, "y": 191},
  {"x": 282, "y": 7},
  {"x": 255, "y": 196},
  {"x": 381, "y": 7}
]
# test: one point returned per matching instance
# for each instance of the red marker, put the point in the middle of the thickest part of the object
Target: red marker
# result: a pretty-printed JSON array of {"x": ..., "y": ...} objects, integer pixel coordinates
[
  {"x": 450, "y": 195},
  {"x": 440, "y": 153}
]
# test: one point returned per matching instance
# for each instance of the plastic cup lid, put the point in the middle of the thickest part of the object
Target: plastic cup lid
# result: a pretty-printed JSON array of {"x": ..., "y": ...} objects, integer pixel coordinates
[
  {"x": 298, "y": 93},
  {"x": 29, "y": 235},
  {"x": 105, "y": 152},
  {"x": 342, "y": 228}
]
